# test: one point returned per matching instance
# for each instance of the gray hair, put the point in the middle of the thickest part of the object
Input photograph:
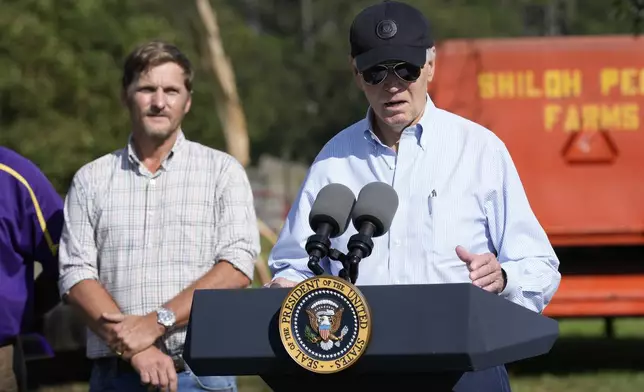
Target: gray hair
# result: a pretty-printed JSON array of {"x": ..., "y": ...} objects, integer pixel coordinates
[{"x": 431, "y": 54}]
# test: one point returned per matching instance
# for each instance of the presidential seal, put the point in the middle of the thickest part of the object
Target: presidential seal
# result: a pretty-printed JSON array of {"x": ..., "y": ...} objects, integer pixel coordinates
[{"x": 325, "y": 324}]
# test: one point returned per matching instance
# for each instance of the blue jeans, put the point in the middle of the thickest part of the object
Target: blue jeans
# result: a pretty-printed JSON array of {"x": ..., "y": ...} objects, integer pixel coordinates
[{"x": 107, "y": 378}]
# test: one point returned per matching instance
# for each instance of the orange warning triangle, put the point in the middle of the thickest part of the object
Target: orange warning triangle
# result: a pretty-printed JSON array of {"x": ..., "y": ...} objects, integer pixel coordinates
[{"x": 590, "y": 147}]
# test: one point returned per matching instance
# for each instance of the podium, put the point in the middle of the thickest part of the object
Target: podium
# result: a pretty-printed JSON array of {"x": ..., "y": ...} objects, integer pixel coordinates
[{"x": 423, "y": 337}]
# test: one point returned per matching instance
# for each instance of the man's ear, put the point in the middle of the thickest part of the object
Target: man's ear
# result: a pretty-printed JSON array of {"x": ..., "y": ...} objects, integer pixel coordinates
[
  {"x": 431, "y": 65},
  {"x": 188, "y": 104},
  {"x": 431, "y": 70}
]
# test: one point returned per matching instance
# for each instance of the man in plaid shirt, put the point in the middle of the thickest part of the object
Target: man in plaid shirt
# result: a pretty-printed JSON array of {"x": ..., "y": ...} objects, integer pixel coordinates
[{"x": 147, "y": 225}]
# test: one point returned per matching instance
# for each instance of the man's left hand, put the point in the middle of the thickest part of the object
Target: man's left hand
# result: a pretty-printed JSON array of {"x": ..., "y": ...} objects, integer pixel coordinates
[
  {"x": 485, "y": 270},
  {"x": 134, "y": 333}
]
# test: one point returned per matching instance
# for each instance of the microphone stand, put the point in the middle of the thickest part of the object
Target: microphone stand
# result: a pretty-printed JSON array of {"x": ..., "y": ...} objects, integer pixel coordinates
[
  {"x": 318, "y": 246},
  {"x": 349, "y": 272}
]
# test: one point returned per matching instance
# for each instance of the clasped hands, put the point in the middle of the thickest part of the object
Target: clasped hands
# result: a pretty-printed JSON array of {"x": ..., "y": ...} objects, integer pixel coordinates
[
  {"x": 132, "y": 338},
  {"x": 485, "y": 271},
  {"x": 129, "y": 334}
]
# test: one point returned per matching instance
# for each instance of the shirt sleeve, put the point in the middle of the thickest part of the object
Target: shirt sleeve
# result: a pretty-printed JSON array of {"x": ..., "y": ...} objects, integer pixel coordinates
[
  {"x": 237, "y": 230},
  {"x": 288, "y": 258},
  {"x": 77, "y": 252},
  {"x": 523, "y": 248}
]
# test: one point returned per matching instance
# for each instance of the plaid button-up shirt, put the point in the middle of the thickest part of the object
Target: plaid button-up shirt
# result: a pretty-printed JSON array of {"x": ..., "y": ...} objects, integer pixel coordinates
[{"x": 147, "y": 236}]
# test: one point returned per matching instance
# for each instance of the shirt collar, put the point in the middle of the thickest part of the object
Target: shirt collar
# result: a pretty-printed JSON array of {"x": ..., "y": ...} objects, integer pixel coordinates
[
  {"x": 131, "y": 151},
  {"x": 420, "y": 130}
]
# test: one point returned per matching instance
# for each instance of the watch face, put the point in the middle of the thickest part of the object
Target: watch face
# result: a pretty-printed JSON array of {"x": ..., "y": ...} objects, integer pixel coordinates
[{"x": 165, "y": 317}]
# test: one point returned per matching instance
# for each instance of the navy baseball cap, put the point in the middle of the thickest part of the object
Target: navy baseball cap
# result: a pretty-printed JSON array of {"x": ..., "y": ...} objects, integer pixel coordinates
[{"x": 389, "y": 31}]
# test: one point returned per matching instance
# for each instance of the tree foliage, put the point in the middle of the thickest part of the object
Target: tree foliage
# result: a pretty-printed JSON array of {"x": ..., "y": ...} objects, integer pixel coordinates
[{"x": 60, "y": 66}]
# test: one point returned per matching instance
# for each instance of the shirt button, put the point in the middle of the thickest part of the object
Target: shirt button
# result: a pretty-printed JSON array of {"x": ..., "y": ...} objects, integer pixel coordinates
[
  {"x": 397, "y": 243},
  {"x": 153, "y": 181}
]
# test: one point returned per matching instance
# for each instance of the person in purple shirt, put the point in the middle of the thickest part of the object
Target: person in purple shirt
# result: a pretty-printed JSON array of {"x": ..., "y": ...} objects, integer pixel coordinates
[{"x": 31, "y": 220}]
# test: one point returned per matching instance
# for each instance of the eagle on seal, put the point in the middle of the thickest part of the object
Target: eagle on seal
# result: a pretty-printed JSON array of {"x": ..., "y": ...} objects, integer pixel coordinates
[{"x": 326, "y": 323}]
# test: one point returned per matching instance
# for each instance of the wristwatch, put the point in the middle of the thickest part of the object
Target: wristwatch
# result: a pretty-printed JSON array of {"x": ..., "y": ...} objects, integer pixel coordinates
[{"x": 166, "y": 317}]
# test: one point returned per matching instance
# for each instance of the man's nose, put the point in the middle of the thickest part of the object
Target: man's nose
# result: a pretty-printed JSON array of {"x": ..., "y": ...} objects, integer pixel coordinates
[
  {"x": 158, "y": 99},
  {"x": 392, "y": 83}
]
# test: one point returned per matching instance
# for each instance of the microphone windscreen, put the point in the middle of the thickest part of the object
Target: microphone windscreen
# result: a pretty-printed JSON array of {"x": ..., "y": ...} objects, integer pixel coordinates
[
  {"x": 333, "y": 205},
  {"x": 377, "y": 203}
]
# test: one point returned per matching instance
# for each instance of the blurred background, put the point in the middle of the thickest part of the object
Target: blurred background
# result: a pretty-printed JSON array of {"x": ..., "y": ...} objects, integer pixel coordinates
[{"x": 560, "y": 81}]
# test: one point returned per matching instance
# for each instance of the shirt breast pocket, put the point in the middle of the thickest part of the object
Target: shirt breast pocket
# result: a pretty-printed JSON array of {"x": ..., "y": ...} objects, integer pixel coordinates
[
  {"x": 458, "y": 220},
  {"x": 427, "y": 226}
]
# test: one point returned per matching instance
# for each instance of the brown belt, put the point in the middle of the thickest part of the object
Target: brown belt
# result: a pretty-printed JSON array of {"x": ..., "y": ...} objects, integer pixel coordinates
[{"x": 123, "y": 366}]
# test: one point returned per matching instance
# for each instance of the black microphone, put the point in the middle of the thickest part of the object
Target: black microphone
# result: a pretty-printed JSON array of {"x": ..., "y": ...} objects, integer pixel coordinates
[
  {"x": 329, "y": 218},
  {"x": 372, "y": 216}
]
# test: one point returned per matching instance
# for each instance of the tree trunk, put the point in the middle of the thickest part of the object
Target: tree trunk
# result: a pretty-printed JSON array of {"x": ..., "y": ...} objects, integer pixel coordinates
[
  {"x": 231, "y": 112},
  {"x": 229, "y": 106}
]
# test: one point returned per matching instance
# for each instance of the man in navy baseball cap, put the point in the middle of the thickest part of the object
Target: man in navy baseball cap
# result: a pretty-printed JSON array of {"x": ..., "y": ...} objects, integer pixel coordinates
[
  {"x": 437, "y": 162},
  {"x": 390, "y": 31}
]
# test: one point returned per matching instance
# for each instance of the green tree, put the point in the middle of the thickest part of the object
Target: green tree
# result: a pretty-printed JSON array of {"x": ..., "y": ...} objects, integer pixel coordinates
[{"x": 60, "y": 66}]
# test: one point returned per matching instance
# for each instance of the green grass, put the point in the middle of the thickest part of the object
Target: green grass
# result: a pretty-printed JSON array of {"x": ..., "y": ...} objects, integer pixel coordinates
[
  {"x": 601, "y": 382},
  {"x": 625, "y": 328}
]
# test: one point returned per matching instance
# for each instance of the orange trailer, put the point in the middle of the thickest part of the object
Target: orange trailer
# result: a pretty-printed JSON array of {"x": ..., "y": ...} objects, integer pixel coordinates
[{"x": 571, "y": 111}]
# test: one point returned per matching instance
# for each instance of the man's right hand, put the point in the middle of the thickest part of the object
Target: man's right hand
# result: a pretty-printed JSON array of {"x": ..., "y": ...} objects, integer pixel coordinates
[
  {"x": 130, "y": 334},
  {"x": 281, "y": 282},
  {"x": 155, "y": 368}
]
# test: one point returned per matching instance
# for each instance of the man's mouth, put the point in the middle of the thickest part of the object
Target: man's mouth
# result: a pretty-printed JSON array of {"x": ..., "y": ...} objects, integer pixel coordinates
[
  {"x": 156, "y": 116},
  {"x": 394, "y": 104}
]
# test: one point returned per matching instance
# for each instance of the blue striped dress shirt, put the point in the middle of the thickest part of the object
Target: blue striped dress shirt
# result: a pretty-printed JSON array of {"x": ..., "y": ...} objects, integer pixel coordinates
[{"x": 457, "y": 185}]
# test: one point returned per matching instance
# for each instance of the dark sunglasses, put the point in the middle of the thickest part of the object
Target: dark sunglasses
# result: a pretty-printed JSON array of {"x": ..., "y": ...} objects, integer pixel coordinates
[{"x": 405, "y": 71}]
